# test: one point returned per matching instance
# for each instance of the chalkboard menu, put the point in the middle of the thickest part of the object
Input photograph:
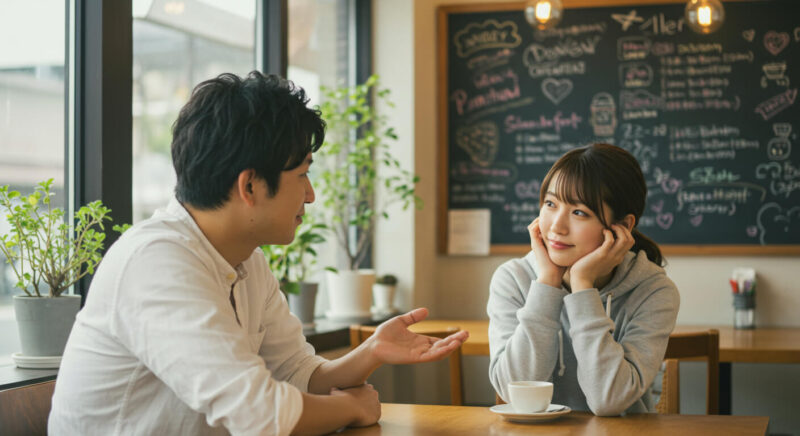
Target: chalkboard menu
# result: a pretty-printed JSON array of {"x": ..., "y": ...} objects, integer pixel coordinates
[{"x": 712, "y": 119}]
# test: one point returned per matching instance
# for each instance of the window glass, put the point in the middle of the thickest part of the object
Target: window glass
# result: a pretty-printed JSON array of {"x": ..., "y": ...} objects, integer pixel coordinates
[
  {"x": 176, "y": 45},
  {"x": 31, "y": 121},
  {"x": 319, "y": 54}
]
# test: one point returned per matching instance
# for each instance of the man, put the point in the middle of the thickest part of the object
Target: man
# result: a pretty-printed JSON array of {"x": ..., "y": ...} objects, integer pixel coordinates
[{"x": 185, "y": 330}]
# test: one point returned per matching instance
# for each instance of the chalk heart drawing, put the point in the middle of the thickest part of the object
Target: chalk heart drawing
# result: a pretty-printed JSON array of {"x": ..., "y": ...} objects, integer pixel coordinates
[
  {"x": 480, "y": 141},
  {"x": 658, "y": 207},
  {"x": 775, "y": 42},
  {"x": 527, "y": 190},
  {"x": 749, "y": 35},
  {"x": 555, "y": 89},
  {"x": 670, "y": 185},
  {"x": 696, "y": 220},
  {"x": 664, "y": 220},
  {"x": 752, "y": 231}
]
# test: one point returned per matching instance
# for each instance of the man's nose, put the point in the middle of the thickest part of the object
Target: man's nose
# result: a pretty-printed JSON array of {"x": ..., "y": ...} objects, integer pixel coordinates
[{"x": 309, "y": 193}]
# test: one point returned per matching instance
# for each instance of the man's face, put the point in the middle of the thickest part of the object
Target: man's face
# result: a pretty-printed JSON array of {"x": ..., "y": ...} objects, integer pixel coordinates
[{"x": 283, "y": 213}]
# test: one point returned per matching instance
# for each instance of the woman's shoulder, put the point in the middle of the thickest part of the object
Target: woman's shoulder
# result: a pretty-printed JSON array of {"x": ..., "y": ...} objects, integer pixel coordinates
[{"x": 518, "y": 270}]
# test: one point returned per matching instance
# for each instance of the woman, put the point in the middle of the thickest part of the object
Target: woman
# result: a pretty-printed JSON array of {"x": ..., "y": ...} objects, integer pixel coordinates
[{"x": 589, "y": 308}]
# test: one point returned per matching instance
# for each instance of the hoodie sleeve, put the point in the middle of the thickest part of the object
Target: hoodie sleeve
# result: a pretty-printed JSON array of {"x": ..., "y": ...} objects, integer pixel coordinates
[
  {"x": 613, "y": 375},
  {"x": 523, "y": 328}
]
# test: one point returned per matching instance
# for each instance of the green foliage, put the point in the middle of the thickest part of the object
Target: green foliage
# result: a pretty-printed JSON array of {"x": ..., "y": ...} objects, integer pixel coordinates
[
  {"x": 292, "y": 263},
  {"x": 42, "y": 248},
  {"x": 387, "y": 279},
  {"x": 357, "y": 162}
]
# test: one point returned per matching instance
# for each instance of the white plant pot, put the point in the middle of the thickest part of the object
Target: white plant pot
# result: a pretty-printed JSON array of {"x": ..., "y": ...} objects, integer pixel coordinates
[
  {"x": 350, "y": 292},
  {"x": 384, "y": 296},
  {"x": 45, "y": 323}
]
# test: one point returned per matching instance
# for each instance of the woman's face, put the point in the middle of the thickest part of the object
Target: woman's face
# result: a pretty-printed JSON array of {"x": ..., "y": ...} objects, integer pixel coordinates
[{"x": 570, "y": 231}]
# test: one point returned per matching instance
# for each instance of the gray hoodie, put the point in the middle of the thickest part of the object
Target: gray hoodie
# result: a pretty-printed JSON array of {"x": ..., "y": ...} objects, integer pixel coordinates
[{"x": 602, "y": 359}]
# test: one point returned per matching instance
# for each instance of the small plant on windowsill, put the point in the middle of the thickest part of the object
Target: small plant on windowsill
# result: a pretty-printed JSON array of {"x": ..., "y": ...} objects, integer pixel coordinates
[
  {"x": 293, "y": 263},
  {"x": 44, "y": 251}
]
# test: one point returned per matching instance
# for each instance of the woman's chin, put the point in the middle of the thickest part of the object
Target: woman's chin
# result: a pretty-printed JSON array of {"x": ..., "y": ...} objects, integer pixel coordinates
[{"x": 561, "y": 260}]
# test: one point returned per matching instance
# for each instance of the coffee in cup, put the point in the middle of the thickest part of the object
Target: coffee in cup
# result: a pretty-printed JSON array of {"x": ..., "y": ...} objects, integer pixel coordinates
[{"x": 530, "y": 396}]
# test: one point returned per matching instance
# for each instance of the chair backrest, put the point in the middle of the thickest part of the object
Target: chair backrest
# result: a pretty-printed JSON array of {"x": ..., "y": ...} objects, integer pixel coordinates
[
  {"x": 360, "y": 333},
  {"x": 688, "y": 346},
  {"x": 24, "y": 410}
]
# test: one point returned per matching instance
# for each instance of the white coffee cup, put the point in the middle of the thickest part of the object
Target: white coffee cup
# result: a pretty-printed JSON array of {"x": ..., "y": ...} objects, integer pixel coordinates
[{"x": 530, "y": 396}]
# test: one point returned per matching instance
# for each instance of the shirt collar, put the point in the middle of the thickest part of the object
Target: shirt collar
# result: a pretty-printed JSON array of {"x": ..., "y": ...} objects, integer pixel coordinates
[{"x": 228, "y": 274}]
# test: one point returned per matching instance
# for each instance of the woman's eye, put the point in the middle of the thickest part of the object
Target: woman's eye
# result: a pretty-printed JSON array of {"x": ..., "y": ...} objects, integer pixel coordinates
[
  {"x": 581, "y": 213},
  {"x": 548, "y": 203}
]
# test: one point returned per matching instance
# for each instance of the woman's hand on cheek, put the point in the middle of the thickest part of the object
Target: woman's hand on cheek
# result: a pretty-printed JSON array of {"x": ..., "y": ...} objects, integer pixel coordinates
[
  {"x": 548, "y": 272},
  {"x": 584, "y": 273}
]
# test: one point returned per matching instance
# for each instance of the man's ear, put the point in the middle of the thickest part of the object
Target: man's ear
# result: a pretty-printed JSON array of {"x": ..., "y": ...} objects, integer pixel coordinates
[
  {"x": 244, "y": 186},
  {"x": 629, "y": 221}
]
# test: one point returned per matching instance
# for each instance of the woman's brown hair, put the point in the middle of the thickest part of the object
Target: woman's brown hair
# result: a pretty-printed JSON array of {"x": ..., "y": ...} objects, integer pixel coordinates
[{"x": 603, "y": 173}]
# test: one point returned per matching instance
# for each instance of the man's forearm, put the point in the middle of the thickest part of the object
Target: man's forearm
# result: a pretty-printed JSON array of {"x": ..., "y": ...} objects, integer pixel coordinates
[
  {"x": 323, "y": 414},
  {"x": 349, "y": 370}
]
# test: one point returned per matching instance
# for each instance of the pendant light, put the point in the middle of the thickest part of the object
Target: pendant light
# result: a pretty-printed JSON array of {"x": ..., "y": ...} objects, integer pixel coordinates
[
  {"x": 704, "y": 16},
  {"x": 543, "y": 14}
]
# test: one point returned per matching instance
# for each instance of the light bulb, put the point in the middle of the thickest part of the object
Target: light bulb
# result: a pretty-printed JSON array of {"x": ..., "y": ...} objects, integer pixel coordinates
[
  {"x": 704, "y": 16},
  {"x": 543, "y": 14}
]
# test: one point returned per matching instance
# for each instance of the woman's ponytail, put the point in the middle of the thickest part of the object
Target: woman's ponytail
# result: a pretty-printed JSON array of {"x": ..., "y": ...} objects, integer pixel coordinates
[{"x": 642, "y": 242}]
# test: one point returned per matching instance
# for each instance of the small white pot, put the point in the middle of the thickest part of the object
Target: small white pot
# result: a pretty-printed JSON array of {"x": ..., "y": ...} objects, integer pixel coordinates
[
  {"x": 350, "y": 292},
  {"x": 384, "y": 296}
]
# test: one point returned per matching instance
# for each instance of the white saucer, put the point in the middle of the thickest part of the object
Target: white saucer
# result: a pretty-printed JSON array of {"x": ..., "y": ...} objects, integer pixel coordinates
[
  {"x": 36, "y": 362},
  {"x": 507, "y": 412},
  {"x": 349, "y": 317}
]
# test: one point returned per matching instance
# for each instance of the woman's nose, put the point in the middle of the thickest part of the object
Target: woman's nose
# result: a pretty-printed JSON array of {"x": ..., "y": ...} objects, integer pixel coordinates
[{"x": 560, "y": 223}]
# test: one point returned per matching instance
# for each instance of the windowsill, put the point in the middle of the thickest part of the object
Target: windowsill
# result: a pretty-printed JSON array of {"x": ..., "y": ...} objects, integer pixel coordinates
[
  {"x": 325, "y": 335},
  {"x": 13, "y": 377}
]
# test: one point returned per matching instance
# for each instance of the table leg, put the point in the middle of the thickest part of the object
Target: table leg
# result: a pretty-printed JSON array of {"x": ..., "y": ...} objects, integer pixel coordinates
[{"x": 725, "y": 382}]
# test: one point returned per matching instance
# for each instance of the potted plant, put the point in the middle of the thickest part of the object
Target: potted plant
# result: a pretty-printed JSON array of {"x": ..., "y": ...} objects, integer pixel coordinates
[
  {"x": 47, "y": 256},
  {"x": 356, "y": 162},
  {"x": 383, "y": 293},
  {"x": 293, "y": 263}
]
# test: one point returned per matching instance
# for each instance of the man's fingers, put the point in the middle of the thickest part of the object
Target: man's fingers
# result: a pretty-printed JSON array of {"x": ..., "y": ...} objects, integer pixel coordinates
[{"x": 414, "y": 316}]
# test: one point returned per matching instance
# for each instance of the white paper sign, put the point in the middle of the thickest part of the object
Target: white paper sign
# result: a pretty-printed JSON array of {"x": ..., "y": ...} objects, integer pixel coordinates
[{"x": 469, "y": 231}]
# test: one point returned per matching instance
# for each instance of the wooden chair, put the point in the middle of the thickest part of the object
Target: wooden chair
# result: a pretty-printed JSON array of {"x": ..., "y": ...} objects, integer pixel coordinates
[
  {"x": 685, "y": 346},
  {"x": 24, "y": 410},
  {"x": 359, "y": 334}
]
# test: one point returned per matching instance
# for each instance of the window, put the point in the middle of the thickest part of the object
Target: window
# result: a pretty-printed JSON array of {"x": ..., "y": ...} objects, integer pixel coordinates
[
  {"x": 176, "y": 45},
  {"x": 31, "y": 121}
]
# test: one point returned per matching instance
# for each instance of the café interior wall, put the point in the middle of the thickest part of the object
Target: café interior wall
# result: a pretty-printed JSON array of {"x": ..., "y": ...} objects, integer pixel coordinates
[{"x": 457, "y": 287}]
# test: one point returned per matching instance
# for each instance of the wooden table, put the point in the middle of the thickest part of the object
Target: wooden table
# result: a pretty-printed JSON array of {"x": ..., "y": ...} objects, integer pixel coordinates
[
  {"x": 412, "y": 419},
  {"x": 760, "y": 345}
]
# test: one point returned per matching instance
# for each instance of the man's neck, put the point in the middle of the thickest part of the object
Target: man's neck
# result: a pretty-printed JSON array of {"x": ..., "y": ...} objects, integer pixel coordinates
[{"x": 220, "y": 228}]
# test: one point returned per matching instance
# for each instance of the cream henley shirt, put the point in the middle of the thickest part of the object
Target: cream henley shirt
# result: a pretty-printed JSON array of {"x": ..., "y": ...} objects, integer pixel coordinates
[{"x": 157, "y": 349}]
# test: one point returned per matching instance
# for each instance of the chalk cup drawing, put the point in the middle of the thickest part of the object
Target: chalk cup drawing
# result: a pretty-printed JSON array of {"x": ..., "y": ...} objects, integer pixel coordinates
[
  {"x": 771, "y": 218},
  {"x": 752, "y": 231},
  {"x": 556, "y": 89},
  {"x": 749, "y": 35},
  {"x": 775, "y": 71},
  {"x": 480, "y": 141},
  {"x": 603, "y": 114},
  {"x": 775, "y": 42},
  {"x": 779, "y": 147},
  {"x": 527, "y": 190}
]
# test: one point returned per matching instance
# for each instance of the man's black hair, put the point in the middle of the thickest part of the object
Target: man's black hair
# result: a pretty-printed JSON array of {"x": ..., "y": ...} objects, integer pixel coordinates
[{"x": 232, "y": 124}]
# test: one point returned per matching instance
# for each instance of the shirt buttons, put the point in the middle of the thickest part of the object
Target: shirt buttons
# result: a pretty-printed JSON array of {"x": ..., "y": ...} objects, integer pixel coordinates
[{"x": 231, "y": 276}]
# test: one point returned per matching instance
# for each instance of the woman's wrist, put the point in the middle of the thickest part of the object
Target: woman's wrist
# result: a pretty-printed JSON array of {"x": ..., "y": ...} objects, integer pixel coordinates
[{"x": 550, "y": 281}]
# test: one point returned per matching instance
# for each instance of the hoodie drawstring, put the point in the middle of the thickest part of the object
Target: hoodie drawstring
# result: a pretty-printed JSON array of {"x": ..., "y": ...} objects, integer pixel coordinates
[
  {"x": 561, "y": 366},
  {"x": 608, "y": 304}
]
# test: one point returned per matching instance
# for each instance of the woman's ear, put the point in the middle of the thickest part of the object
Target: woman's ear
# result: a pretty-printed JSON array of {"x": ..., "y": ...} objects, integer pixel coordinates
[{"x": 629, "y": 221}]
